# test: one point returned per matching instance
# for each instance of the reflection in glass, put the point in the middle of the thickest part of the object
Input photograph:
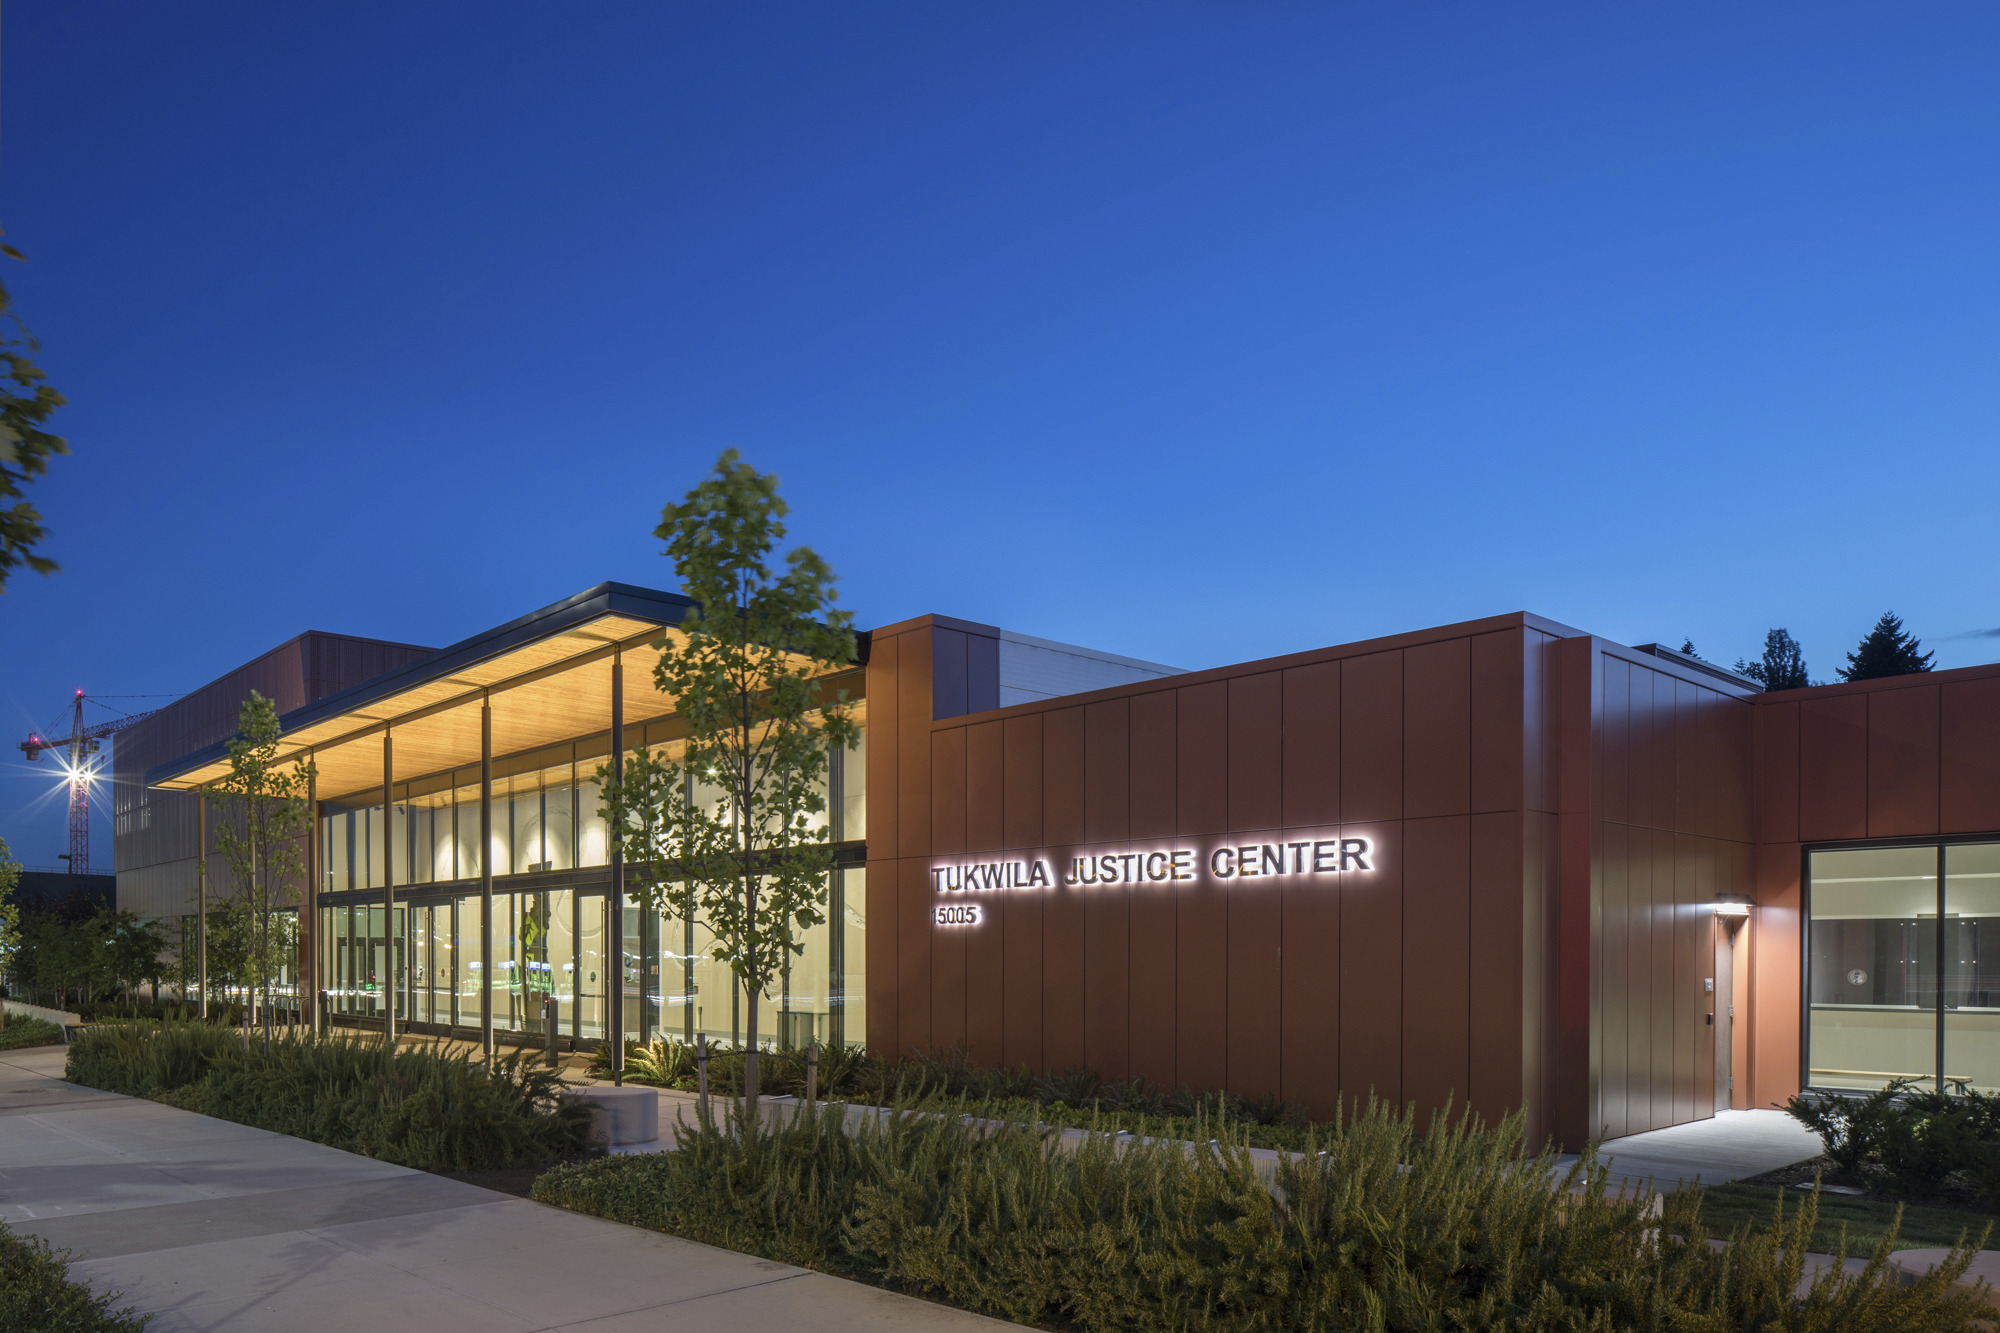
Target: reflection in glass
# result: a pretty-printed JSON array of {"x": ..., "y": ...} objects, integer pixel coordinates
[
  {"x": 470, "y": 961},
  {"x": 590, "y": 967},
  {"x": 1972, "y": 966},
  {"x": 1873, "y": 972}
]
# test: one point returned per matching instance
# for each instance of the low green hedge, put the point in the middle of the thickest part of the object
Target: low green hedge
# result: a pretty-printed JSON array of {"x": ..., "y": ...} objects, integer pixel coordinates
[
  {"x": 1133, "y": 1234},
  {"x": 24, "y": 1031},
  {"x": 36, "y": 1293},
  {"x": 1909, "y": 1141},
  {"x": 414, "y": 1105}
]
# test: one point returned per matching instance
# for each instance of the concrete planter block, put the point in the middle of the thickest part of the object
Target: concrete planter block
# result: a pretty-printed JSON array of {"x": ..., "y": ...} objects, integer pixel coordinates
[
  {"x": 622, "y": 1115},
  {"x": 62, "y": 1018}
]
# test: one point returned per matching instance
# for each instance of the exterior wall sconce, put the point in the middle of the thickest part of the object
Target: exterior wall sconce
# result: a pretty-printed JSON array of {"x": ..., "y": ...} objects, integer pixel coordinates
[{"x": 1732, "y": 906}]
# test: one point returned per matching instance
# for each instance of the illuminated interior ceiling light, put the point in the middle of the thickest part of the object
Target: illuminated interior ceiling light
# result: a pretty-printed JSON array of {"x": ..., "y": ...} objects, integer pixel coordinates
[{"x": 1732, "y": 905}]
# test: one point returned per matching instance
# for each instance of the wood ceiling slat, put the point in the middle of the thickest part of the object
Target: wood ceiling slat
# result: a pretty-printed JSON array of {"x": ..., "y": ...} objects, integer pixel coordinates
[{"x": 535, "y": 703}]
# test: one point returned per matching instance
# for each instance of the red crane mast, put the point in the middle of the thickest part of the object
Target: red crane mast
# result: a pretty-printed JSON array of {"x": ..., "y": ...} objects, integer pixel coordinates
[{"x": 79, "y": 751}]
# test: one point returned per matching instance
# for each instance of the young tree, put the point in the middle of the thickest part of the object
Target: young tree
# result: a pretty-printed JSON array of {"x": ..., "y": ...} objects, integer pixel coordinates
[
  {"x": 1886, "y": 650},
  {"x": 132, "y": 949},
  {"x": 63, "y": 952},
  {"x": 264, "y": 813},
  {"x": 26, "y": 402},
  {"x": 1783, "y": 665},
  {"x": 10, "y": 912},
  {"x": 730, "y": 832}
]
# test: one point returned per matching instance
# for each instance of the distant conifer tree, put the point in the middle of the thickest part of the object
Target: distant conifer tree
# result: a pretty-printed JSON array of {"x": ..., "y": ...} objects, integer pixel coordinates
[
  {"x": 1687, "y": 646},
  {"x": 1783, "y": 666},
  {"x": 1887, "y": 650}
]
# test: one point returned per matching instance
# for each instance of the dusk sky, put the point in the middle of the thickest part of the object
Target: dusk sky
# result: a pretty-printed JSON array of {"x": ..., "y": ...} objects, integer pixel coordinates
[{"x": 1198, "y": 333}]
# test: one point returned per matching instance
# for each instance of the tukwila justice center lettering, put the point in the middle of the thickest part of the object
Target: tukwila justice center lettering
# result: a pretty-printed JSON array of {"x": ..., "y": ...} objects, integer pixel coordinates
[{"x": 1272, "y": 860}]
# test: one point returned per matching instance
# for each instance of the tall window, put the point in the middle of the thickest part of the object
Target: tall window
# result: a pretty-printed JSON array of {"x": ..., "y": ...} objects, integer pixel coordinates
[{"x": 1896, "y": 980}]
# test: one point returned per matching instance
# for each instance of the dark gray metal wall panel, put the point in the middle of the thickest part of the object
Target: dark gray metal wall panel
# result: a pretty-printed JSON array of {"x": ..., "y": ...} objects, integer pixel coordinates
[
  {"x": 947, "y": 674},
  {"x": 982, "y": 673},
  {"x": 152, "y": 828}
]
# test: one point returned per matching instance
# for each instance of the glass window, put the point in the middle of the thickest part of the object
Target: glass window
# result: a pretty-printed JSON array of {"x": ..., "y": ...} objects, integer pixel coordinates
[
  {"x": 1873, "y": 974},
  {"x": 1972, "y": 966},
  {"x": 562, "y": 957},
  {"x": 534, "y": 962},
  {"x": 558, "y": 828},
  {"x": 501, "y": 845},
  {"x": 465, "y": 834},
  {"x": 717, "y": 1006},
  {"x": 471, "y": 960},
  {"x": 399, "y": 842},
  {"x": 850, "y": 980},
  {"x": 854, "y": 791},
  {"x": 527, "y": 824},
  {"x": 804, "y": 1003},
  {"x": 590, "y": 967},
  {"x": 336, "y": 848},
  {"x": 592, "y": 845},
  {"x": 368, "y": 848}
]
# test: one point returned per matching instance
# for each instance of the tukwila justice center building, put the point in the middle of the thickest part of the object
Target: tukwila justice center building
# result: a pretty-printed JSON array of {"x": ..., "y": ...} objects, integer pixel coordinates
[{"x": 1505, "y": 862}]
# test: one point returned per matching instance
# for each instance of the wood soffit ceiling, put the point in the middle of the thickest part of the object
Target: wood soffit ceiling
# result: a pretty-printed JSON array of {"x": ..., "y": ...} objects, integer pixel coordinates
[{"x": 549, "y": 690}]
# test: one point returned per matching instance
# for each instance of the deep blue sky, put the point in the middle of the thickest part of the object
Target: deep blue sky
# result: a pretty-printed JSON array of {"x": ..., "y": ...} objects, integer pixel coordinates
[{"x": 1195, "y": 332}]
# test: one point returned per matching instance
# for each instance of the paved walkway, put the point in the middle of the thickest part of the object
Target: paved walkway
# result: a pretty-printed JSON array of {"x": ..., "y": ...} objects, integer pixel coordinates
[
  {"x": 1729, "y": 1147},
  {"x": 219, "y": 1227}
]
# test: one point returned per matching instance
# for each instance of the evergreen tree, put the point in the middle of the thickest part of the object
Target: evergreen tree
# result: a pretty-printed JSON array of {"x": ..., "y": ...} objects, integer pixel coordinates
[
  {"x": 1783, "y": 666},
  {"x": 1886, "y": 650}
]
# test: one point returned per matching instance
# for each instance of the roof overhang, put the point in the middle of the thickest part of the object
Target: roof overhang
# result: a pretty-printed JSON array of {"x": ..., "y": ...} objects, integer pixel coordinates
[{"x": 547, "y": 676}]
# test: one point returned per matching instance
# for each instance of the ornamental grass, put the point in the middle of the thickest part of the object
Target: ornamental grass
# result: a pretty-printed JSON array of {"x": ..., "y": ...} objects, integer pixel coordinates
[
  {"x": 1373, "y": 1227},
  {"x": 414, "y": 1105}
]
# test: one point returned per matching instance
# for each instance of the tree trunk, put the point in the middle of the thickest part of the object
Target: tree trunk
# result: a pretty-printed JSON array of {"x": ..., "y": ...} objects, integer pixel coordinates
[
  {"x": 750, "y": 918},
  {"x": 264, "y": 948}
]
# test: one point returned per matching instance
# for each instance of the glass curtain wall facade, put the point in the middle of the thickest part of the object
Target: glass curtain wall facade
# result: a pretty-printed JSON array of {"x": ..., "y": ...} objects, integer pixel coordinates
[
  {"x": 548, "y": 935},
  {"x": 1903, "y": 966}
]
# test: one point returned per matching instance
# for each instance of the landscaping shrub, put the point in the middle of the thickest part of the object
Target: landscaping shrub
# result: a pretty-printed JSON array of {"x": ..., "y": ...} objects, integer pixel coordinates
[
  {"x": 131, "y": 1006},
  {"x": 1909, "y": 1142},
  {"x": 36, "y": 1292},
  {"x": 1851, "y": 1128},
  {"x": 414, "y": 1105},
  {"x": 143, "y": 1059},
  {"x": 1115, "y": 1233},
  {"x": 22, "y": 1030}
]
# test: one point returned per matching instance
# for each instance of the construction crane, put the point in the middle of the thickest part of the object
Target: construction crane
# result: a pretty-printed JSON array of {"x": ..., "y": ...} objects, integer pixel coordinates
[{"x": 77, "y": 756}]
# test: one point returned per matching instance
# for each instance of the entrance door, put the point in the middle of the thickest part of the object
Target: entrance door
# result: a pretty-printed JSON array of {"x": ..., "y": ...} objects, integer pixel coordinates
[{"x": 1725, "y": 1012}]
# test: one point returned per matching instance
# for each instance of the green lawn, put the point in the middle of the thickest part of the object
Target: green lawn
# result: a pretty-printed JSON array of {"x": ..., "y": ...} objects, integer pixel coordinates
[{"x": 1727, "y": 1207}]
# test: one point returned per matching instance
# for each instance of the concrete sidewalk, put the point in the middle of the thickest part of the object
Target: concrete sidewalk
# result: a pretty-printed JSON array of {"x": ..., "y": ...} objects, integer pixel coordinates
[
  {"x": 216, "y": 1226},
  {"x": 1729, "y": 1147}
]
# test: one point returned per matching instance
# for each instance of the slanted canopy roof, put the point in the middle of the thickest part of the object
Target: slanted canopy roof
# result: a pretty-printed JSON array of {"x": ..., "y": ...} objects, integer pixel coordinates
[{"x": 547, "y": 675}]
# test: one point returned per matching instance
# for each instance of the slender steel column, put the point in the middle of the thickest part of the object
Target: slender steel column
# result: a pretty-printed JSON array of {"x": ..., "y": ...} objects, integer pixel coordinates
[
  {"x": 315, "y": 858},
  {"x": 201, "y": 907},
  {"x": 614, "y": 927},
  {"x": 486, "y": 876},
  {"x": 390, "y": 985}
]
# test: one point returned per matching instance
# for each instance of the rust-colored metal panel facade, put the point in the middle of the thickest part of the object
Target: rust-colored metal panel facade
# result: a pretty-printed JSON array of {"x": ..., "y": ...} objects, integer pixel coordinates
[
  {"x": 1550, "y": 820},
  {"x": 1969, "y": 756},
  {"x": 1907, "y": 757}
]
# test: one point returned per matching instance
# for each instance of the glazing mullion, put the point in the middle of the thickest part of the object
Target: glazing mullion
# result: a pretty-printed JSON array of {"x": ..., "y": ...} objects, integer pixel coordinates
[{"x": 1940, "y": 967}]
